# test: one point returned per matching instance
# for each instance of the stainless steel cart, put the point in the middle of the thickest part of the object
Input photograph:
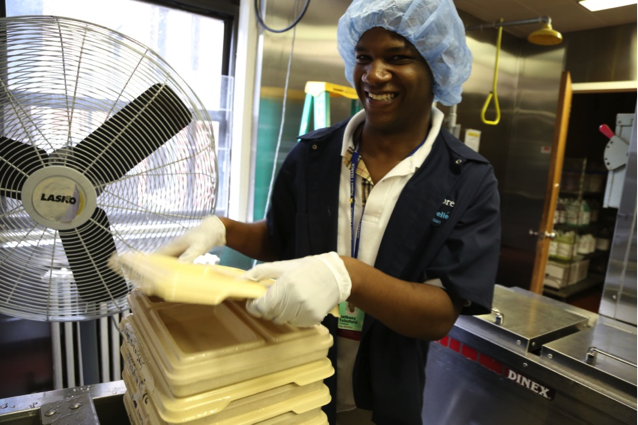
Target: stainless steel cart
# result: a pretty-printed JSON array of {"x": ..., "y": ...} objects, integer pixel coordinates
[{"x": 533, "y": 360}]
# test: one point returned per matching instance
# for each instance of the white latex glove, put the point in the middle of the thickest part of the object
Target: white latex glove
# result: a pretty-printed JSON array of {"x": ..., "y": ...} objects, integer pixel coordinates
[
  {"x": 305, "y": 290},
  {"x": 210, "y": 233}
]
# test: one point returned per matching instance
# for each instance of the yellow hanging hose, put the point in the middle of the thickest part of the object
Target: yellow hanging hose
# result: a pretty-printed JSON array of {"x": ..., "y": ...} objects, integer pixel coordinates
[{"x": 493, "y": 92}]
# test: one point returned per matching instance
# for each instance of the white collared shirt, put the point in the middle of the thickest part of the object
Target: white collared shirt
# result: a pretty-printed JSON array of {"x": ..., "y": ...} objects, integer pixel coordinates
[
  {"x": 379, "y": 207},
  {"x": 382, "y": 198}
]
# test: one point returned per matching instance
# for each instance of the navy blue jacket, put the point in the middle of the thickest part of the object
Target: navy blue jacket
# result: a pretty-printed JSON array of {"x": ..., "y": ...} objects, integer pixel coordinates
[{"x": 457, "y": 242}]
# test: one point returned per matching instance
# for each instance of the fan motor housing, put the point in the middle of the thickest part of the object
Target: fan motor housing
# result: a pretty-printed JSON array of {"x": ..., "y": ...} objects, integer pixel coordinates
[{"x": 59, "y": 197}]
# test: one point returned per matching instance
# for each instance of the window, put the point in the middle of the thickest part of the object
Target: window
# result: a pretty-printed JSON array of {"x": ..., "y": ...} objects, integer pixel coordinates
[{"x": 196, "y": 45}]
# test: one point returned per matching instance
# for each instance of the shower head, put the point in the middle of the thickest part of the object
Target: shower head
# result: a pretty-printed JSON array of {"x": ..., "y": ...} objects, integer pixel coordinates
[{"x": 546, "y": 36}]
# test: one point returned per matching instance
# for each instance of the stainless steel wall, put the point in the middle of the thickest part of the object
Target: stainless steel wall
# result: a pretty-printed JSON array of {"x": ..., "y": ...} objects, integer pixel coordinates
[
  {"x": 315, "y": 58},
  {"x": 315, "y": 55},
  {"x": 518, "y": 147},
  {"x": 495, "y": 140},
  {"x": 528, "y": 84},
  {"x": 606, "y": 54}
]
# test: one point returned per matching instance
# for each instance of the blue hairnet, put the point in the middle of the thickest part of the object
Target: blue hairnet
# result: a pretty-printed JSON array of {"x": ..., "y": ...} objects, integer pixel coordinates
[{"x": 432, "y": 26}]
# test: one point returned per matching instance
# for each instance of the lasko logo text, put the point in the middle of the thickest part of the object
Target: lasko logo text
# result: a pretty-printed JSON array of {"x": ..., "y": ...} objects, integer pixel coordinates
[
  {"x": 58, "y": 198},
  {"x": 528, "y": 383}
]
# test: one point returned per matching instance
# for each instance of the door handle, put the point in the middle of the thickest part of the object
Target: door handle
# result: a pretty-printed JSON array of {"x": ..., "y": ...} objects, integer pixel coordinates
[{"x": 548, "y": 235}]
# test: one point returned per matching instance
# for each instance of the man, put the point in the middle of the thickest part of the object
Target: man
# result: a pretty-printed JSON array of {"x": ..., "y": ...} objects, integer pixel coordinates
[{"x": 386, "y": 213}]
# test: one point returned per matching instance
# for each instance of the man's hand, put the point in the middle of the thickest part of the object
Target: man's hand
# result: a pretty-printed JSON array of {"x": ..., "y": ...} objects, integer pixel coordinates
[
  {"x": 305, "y": 290},
  {"x": 210, "y": 233}
]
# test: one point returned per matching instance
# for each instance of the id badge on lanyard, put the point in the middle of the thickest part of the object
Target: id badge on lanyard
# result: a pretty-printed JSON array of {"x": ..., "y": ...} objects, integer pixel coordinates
[{"x": 351, "y": 320}]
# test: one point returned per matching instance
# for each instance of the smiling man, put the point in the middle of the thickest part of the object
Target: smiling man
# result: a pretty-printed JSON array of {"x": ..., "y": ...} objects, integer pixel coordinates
[{"x": 386, "y": 214}]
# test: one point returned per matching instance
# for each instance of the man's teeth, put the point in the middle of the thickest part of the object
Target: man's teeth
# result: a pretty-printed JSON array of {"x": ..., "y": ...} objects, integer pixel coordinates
[{"x": 386, "y": 96}]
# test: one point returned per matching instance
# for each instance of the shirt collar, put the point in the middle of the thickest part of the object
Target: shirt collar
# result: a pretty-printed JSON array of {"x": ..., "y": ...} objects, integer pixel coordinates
[
  {"x": 422, "y": 153},
  {"x": 348, "y": 141},
  {"x": 416, "y": 159}
]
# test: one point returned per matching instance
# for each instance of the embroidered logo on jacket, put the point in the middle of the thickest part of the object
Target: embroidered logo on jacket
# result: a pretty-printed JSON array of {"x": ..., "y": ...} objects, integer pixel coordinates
[{"x": 443, "y": 213}]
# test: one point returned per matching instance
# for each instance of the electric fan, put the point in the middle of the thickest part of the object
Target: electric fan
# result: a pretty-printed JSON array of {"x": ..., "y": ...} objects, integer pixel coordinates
[{"x": 103, "y": 149}]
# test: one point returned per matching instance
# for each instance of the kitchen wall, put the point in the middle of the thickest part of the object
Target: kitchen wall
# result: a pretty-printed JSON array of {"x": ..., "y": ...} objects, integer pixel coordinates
[
  {"x": 602, "y": 55},
  {"x": 606, "y": 54},
  {"x": 518, "y": 147}
]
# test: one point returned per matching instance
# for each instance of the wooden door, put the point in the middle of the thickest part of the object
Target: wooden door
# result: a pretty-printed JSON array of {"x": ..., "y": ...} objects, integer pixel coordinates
[{"x": 546, "y": 228}]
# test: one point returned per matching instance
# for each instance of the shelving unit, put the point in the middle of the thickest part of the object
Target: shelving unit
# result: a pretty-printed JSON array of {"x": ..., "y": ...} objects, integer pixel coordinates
[
  {"x": 593, "y": 280},
  {"x": 580, "y": 229},
  {"x": 568, "y": 264},
  {"x": 586, "y": 176}
]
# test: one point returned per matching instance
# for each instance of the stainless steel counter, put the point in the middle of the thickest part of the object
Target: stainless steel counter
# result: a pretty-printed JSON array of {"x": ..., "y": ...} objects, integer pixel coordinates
[
  {"x": 528, "y": 322},
  {"x": 607, "y": 353},
  {"x": 88, "y": 405},
  {"x": 527, "y": 363}
]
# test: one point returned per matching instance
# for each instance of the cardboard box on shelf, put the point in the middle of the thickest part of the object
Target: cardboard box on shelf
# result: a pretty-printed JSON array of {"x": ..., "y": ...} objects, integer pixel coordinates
[{"x": 559, "y": 274}]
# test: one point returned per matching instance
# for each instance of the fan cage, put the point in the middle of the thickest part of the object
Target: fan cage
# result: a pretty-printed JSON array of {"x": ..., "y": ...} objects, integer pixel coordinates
[{"x": 62, "y": 84}]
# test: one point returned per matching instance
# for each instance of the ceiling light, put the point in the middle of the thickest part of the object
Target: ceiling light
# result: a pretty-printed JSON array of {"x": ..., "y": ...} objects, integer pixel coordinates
[{"x": 595, "y": 5}]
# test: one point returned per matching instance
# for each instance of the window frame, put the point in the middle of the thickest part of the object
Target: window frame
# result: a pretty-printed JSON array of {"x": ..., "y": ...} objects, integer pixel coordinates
[
  {"x": 228, "y": 12},
  {"x": 225, "y": 10}
]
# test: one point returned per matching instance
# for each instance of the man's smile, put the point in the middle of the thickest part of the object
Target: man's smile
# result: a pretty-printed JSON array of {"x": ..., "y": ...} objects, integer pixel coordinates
[{"x": 381, "y": 96}]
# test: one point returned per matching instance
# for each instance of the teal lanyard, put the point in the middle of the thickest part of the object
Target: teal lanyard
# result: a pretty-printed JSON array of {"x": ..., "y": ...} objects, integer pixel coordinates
[{"x": 354, "y": 241}]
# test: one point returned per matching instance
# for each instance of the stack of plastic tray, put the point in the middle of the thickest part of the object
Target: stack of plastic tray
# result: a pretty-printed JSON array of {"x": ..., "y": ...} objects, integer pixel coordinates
[{"x": 215, "y": 364}]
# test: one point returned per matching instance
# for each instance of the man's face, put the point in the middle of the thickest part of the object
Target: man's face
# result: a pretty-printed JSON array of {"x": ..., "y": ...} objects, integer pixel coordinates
[{"x": 393, "y": 81}]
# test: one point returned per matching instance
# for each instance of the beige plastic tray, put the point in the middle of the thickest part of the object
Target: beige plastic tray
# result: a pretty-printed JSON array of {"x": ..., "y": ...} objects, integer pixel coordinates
[
  {"x": 196, "y": 406},
  {"x": 173, "y": 280},
  {"x": 134, "y": 414},
  {"x": 173, "y": 409},
  {"x": 251, "y": 410},
  {"x": 176, "y": 281},
  {"x": 313, "y": 417},
  {"x": 199, "y": 348}
]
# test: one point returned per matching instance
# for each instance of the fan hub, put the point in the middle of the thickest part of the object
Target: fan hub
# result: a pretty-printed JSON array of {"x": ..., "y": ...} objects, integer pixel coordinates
[{"x": 59, "y": 197}]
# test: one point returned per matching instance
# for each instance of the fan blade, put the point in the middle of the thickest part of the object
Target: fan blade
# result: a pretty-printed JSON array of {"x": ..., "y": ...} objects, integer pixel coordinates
[
  {"x": 88, "y": 249},
  {"x": 131, "y": 135},
  {"x": 17, "y": 161}
]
